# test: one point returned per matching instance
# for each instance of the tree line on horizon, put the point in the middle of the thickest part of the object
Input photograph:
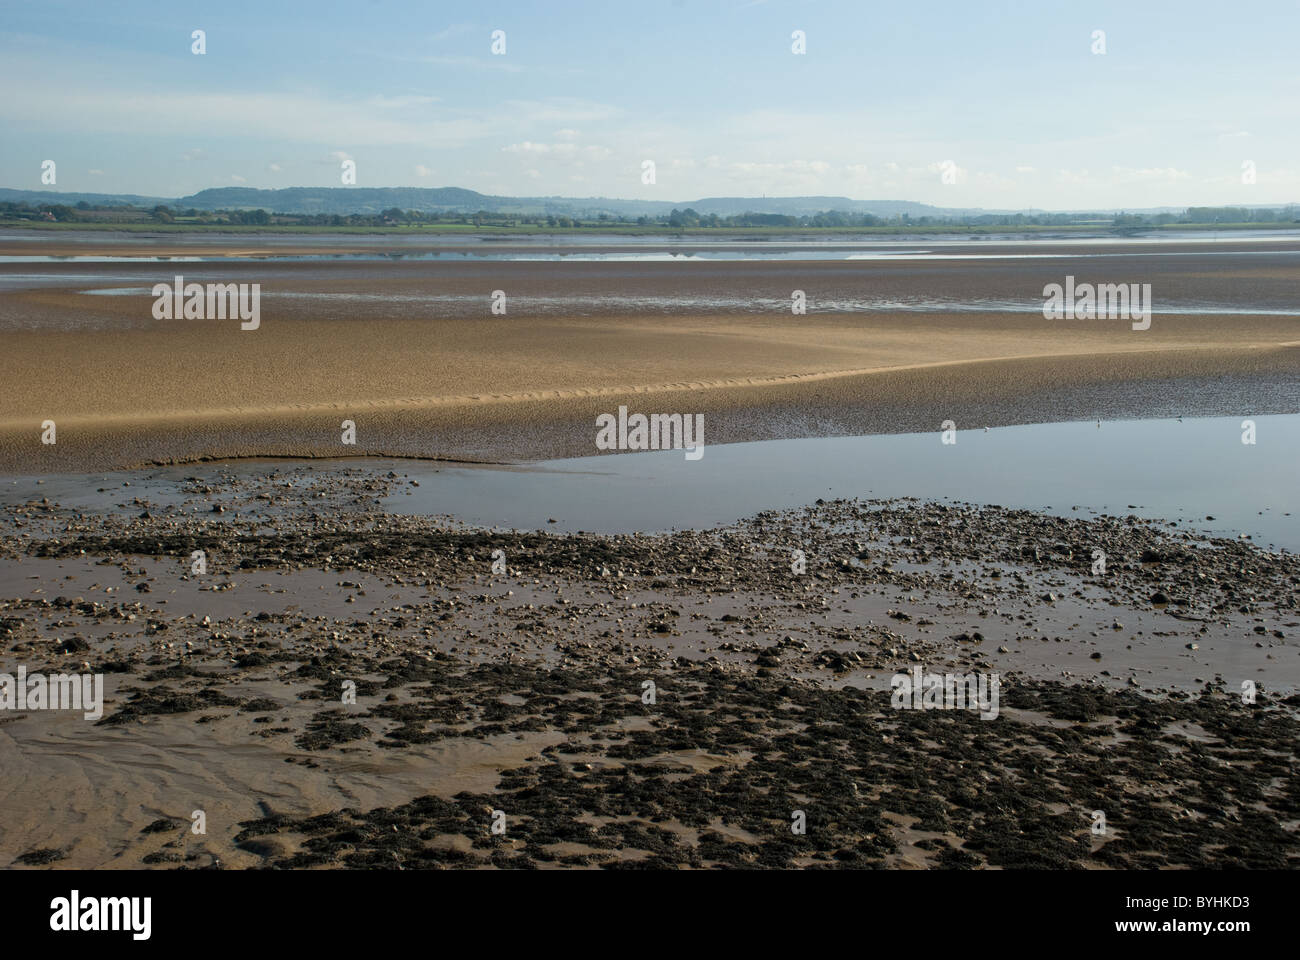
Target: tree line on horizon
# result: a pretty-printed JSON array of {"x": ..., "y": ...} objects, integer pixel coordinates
[{"x": 675, "y": 220}]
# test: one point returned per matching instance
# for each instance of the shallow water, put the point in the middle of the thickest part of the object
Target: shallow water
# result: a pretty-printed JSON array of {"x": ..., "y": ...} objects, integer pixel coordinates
[
  {"x": 665, "y": 248},
  {"x": 596, "y": 304},
  {"x": 819, "y": 252},
  {"x": 1183, "y": 471}
]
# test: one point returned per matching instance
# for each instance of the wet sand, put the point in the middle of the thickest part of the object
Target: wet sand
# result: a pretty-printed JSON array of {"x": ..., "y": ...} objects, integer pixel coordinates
[
  {"x": 214, "y": 243},
  {"x": 522, "y": 690},
  {"x": 484, "y": 693},
  {"x": 411, "y": 352}
]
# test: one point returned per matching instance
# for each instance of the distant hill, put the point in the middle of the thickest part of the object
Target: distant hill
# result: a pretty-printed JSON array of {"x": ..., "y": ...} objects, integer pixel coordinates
[
  {"x": 374, "y": 200},
  {"x": 342, "y": 199},
  {"x": 457, "y": 200},
  {"x": 95, "y": 199}
]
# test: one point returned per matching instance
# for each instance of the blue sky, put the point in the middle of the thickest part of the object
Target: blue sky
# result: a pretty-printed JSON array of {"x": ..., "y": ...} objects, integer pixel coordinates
[{"x": 1010, "y": 94}]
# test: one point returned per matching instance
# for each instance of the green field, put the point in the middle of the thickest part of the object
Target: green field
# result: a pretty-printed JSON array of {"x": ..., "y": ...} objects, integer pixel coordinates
[{"x": 625, "y": 229}]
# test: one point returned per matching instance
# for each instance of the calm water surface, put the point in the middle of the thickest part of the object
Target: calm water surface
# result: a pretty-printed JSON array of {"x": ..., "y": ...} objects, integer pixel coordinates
[{"x": 1184, "y": 471}]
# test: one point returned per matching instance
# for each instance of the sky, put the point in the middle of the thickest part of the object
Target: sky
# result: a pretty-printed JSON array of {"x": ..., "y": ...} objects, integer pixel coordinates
[{"x": 959, "y": 104}]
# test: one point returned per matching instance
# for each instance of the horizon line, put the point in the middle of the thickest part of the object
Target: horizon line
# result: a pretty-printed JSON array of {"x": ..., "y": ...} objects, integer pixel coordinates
[{"x": 502, "y": 196}]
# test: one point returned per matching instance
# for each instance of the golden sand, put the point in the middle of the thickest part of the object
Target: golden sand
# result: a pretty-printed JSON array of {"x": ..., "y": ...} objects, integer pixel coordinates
[{"x": 466, "y": 384}]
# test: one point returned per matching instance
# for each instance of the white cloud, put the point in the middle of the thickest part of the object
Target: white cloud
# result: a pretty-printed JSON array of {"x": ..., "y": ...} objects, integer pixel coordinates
[
  {"x": 789, "y": 177},
  {"x": 1073, "y": 176},
  {"x": 568, "y": 150},
  {"x": 393, "y": 103},
  {"x": 61, "y": 104},
  {"x": 957, "y": 173},
  {"x": 455, "y": 30},
  {"x": 473, "y": 63},
  {"x": 1166, "y": 174}
]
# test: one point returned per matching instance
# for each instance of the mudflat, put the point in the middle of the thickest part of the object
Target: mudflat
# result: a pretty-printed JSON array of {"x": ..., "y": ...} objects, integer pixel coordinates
[
  {"x": 411, "y": 351},
  {"x": 343, "y": 688},
  {"x": 338, "y": 686}
]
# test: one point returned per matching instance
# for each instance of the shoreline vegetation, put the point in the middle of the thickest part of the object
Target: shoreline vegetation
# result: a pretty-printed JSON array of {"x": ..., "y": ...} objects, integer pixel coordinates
[
  {"x": 625, "y": 229},
  {"x": 680, "y": 223}
]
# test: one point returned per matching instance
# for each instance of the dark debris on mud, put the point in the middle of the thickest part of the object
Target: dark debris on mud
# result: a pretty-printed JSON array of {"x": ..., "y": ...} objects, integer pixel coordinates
[{"x": 711, "y": 774}]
